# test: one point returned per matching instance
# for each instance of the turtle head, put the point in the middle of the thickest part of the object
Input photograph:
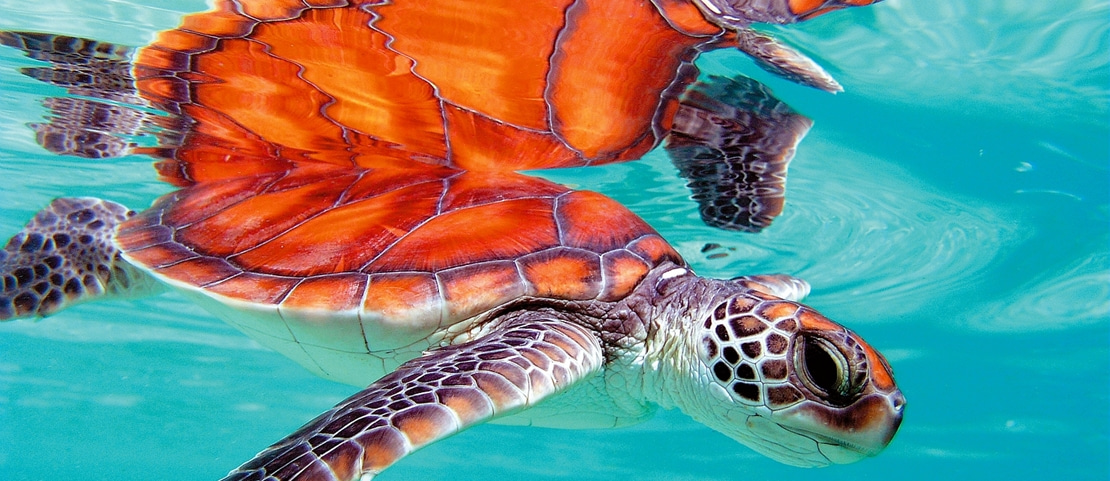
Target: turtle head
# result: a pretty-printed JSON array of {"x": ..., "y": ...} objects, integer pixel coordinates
[
  {"x": 739, "y": 13},
  {"x": 786, "y": 381}
]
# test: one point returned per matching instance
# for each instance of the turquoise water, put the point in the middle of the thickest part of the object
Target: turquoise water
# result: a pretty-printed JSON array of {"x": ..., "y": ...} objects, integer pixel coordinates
[{"x": 952, "y": 207}]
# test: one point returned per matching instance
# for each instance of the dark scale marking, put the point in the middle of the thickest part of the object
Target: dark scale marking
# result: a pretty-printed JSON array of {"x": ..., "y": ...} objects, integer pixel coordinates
[
  {"x": 424, "y": 398},
  {"x": 747, "y": 326},
  {"x": 23, "y": 276},
  {"x": 32, "y": 243},
  {"x": 722, "y": 333},
  {"x": 720, "y": 312},
  {"x": 722, "y": 371},
  {"x": 53, "y": 262},
  {"x": 747, "y": 391},
  {"x": 776, "y": 344},
  {"x": 41, "y": 270},
  {"x": 745, "y": 371},
  {"x": 710, "y": 347},
  {"x": 741, "y": 305},
  {"x": 25, "y": 303},
  {"x": 783, "y": 395},
  {"x": 52, "y": 298},
  {"x": 775, "y": 369},
  {"x": 62, "y": 240},
  {"x": 82, "y": 216},
  {"x": 752, "y": 350},
  {"x": 731, "y": 355},
  {"x": 788, "y": 325},
  {"x": 41, "y": 287},
  {"x": 73, "y": 287},
  {"x": 860, "y": 377}
]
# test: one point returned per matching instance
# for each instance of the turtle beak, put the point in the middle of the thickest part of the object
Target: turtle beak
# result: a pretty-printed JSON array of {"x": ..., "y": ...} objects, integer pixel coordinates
[{"x": 847, "y": 434}]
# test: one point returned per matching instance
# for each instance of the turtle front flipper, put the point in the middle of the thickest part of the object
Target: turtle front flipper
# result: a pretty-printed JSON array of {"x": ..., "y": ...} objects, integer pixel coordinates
[
  {"x": 66, "y": 255},
  {"x": 783, "y": 60},
  {"x": 514, "y": 366},
  {"x": 733, "y": 140}
]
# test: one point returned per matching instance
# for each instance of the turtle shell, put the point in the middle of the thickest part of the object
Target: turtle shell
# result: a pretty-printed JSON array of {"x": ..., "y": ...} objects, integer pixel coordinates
[
  {"x": 504, "y": 85},
  {"x": 395, "y": 251},
  {"x": 349, "y": 169}
]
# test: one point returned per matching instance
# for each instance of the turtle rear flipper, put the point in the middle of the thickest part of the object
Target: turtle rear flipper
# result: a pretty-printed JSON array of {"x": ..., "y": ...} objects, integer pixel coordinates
[
  {"x": 66, "y": 255},
  {"x": 515, "y": 366},
  {"x": 733, "y": 140}
]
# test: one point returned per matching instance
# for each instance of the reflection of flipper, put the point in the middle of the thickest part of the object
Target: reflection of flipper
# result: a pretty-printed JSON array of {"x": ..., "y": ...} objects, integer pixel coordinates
[
  {"x": 733, "y": 140},
  {"x": 81, "y": 66},
  {"x": 780, "y": 59},
  {"x": 83, "y": 127}
]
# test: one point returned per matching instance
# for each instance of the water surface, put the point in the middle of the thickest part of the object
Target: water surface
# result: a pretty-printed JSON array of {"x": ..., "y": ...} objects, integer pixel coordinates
[{"x": 952, "y": 207}]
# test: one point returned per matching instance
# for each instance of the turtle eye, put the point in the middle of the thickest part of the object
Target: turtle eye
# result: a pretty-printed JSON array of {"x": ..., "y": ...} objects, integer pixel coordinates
[{"x": 822, "y": 367}]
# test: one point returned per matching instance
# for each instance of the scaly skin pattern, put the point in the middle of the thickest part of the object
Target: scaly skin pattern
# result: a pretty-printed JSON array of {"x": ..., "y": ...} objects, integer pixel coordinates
[
  {"x": 65, "y": 255},
  {"x": 681, "y": 334},
  {"x": 522, "y": 361},
  {"x": 770, "y": 372}
]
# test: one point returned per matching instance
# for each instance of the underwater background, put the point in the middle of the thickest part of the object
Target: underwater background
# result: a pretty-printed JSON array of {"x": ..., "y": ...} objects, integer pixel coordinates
[{"x": 952, "y": 207}]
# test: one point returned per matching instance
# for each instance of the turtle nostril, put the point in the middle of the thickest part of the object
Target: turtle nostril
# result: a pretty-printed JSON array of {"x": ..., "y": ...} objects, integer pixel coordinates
[{"x": 898, "y": 401}]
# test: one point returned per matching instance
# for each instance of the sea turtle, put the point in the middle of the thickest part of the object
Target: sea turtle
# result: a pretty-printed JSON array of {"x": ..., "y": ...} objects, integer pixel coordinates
[{"x": 401, "y": 251}]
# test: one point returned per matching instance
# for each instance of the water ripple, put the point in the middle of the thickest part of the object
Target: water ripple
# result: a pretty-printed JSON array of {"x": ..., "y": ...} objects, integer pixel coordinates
[
  {"x": 1076, "y": 296},
  {"x": 874, "y": 242},
  {"x": 1043, "y": 61}
]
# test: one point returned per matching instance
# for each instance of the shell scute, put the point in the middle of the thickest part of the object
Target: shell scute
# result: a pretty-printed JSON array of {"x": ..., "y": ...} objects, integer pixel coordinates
[
  {"x": 655, "y": 250},
  {"x": 623, "y": 100},
  {"x": 201, "y": 271},
  {"x": 563, "y": 273},
  {"x": 496, "y": 231},
  {"x": 404, "y": 301},
  {"x": 161, "y": 255},
  {"x": 473, "y": 289},
  {"x": 272, "y": 9},
  {"x": 255, "y": 219},
  {"x": 623, "y": 270},
  {"x": 477, "y": 71},
  {"x": 255, "y": 288},
  {"x": 594, "y": 222},
  {"x": 471, "y": 189},
  {"x": 220, "y": 22},
  {"x": 343, "y": 238},
  {"x": 332, "y": 293}
]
